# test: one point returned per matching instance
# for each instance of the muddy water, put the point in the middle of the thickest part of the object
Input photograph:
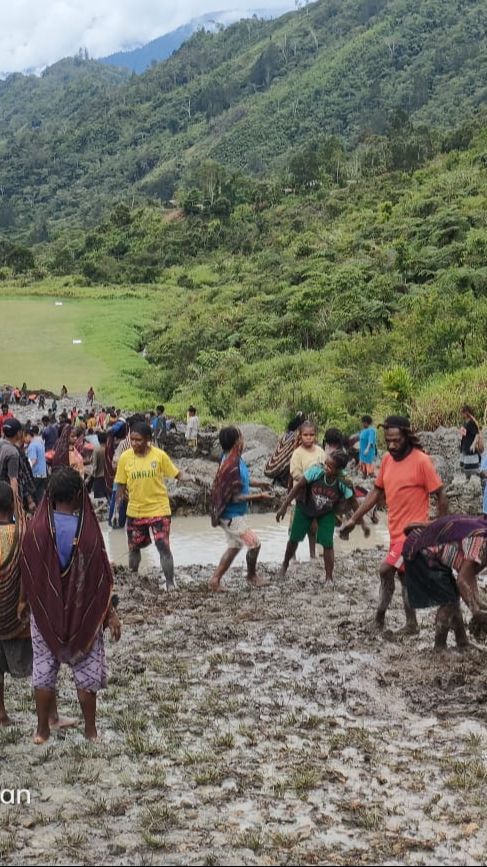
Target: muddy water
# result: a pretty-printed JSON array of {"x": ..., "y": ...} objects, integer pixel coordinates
[{"x": 193, "y": 540}]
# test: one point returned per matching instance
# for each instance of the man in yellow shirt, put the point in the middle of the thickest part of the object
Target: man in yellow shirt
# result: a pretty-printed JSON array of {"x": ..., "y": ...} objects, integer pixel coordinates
[{"x": 140, "y": 474}]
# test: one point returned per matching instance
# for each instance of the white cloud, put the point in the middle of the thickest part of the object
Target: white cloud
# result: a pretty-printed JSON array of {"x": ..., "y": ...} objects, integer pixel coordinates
[{"x": 36, "y": 33}]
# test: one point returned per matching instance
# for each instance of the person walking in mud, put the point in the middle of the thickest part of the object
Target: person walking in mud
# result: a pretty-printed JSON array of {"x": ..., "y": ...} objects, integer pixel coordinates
[
  {"x": 140, "y": 477},
  {"x": 433, "y": 555},
  {"x": 230, "y": 498},
  {"x": 319, "y": 494},
  {"x": 307, "y": 454},
  {"x": 407, "y": 478}
]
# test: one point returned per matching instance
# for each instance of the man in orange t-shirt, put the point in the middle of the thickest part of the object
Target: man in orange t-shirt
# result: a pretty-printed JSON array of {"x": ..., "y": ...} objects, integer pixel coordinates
[{"x": 407, "y": 478}]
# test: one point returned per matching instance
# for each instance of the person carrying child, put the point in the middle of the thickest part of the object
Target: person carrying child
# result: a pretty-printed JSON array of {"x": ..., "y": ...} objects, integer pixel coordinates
[{"x": 319, "y": 495}]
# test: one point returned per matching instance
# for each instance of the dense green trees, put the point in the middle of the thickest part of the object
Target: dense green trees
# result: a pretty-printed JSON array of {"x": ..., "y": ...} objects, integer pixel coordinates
[{"x": 262, "y": 97}]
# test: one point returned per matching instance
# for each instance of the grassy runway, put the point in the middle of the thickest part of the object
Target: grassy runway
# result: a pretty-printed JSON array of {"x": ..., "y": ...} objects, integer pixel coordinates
[{"x": 38, "y": 334}]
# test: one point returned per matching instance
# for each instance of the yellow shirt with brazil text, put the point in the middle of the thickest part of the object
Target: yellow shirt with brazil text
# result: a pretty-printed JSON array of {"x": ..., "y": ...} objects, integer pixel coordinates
[{"x": 144, "y": 477}]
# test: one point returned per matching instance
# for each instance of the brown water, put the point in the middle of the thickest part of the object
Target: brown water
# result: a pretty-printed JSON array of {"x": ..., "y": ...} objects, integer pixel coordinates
[{"x": 194, "y": 541}]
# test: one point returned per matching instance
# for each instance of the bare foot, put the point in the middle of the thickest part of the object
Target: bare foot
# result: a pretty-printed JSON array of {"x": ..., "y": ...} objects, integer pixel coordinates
[
  {"x": 91, "y": 734},
  {"x": 41, "y": 737},
  {"x": 216, "y": 587},
  {"x": 396, "y": 635},
  {"x": 258, "y": 581},
  {"x": 63, "y": 722},
  {"x": 375, "y": 626},
  {"x": 282, "y": 572}
]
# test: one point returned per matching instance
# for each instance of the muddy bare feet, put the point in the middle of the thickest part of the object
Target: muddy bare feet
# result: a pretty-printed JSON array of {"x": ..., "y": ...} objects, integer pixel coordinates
[
  {"x": 63, "y": 722},
  {"x": 375, "y": 626},
  {"x": 41, "y": 736},
  {"x": 258, "y": 581},
  {"x": 405, "y": 631},
  {"x": 91, "y": 734},
  {"x": 216, "y": 587}
]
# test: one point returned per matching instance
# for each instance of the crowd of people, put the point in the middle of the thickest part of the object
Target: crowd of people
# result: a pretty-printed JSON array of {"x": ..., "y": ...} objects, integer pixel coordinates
[{"x": 56, "y": 584}]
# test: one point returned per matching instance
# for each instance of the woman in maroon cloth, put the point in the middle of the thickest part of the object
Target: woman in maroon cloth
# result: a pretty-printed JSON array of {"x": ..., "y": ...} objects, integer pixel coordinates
[
  {"x": 453, "y": 545},
  {"x": 68, "y": 583}
]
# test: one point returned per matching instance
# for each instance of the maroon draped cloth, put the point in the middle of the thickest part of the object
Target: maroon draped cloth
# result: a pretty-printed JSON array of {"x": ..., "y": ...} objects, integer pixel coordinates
[
  {"x": 69, "y": 606},
  {"x": 226, "y": 486},
  {"x": 445, "y": 530},
  {"x": 60, "y": 457}
]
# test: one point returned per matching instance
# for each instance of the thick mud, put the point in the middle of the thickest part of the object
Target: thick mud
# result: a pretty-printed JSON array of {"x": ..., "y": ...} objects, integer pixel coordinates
[{"x": 259, "y": 727}]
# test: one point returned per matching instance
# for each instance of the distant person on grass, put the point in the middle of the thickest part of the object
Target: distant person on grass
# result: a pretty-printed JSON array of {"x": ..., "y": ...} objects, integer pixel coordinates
[
  {"x": 407, "y": 478},
  {"x": 230, "y": 498},
  {"x": 69, "y": 590},
  {"x": 140, "y": 477}
]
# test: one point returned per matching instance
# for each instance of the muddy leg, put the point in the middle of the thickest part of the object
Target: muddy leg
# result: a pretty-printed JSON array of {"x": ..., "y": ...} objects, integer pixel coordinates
[
  {"x": 134, "y": 560},
  {"x": 87, "y": 701},
  {"x": 411, "y": 627},
  {"x": 387, "y": 574},
  {"x": 461, "y": 637},
  {"x": 55, "y": 721},
  {"x": 224, "y": 564},
  {"x": 289, "y": 553},
  {"x": 329, "y": 560},
  {"x": 252, "y": 577},
  {"x": 167, "y": 564},
  {"x": 43, "y": 697},
  {"x": 4, "y": 717},
  {"x": 312, "y": 540},
  {"x": 448, "y": 617}
]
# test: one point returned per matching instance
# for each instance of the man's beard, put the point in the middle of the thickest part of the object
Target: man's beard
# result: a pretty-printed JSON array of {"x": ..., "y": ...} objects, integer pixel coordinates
[{"x": 402, "y": 453}]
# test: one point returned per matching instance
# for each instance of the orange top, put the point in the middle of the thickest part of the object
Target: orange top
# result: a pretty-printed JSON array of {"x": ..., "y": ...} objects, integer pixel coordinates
[{"x": 407, "y": 485}]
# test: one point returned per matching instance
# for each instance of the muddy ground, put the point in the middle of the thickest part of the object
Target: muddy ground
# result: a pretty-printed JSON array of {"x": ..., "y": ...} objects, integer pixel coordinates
[{"x": 259, "y": 727}]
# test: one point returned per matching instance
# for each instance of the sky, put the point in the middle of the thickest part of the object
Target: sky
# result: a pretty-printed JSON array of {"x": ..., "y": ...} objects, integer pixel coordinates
[{"x": 36, "y": 33}]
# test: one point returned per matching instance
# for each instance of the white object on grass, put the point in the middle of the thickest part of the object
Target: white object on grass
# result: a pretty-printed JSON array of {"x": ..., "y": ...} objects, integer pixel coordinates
[{"x": 77, "y": 341}]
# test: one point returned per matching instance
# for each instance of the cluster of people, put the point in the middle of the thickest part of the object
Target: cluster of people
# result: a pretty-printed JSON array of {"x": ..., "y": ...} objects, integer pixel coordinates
[{"x": 56, "y": 584}]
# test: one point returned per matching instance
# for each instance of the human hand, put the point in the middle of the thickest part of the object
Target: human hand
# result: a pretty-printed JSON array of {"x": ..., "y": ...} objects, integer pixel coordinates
[
  {"x": 280, "y": 513},
  {"x": 114, "y": 626},
  {"x": 347, "y": 529}
]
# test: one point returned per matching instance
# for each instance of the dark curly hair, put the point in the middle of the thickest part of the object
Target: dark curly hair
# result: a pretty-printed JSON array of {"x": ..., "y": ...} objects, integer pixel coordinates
[{"x": 65, "y": 485}]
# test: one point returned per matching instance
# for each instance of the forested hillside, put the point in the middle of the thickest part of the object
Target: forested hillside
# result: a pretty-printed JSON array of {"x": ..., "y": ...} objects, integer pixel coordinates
[
  {"x": 247, "y": 97},
  {"x": 368, "y": 294},
  {"x": 304, "y": 199}
]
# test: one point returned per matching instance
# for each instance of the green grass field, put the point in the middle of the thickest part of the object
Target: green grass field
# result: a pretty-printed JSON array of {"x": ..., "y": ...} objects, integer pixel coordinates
[{"x": 37, "y": 339}]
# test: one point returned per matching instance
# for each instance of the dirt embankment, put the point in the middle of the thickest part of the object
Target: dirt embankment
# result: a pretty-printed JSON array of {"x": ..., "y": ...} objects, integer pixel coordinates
[{"x": 259, "y": 727}]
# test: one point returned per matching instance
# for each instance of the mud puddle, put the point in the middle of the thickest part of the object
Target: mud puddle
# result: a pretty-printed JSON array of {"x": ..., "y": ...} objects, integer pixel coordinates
[{"x": 194, "y": 540}]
